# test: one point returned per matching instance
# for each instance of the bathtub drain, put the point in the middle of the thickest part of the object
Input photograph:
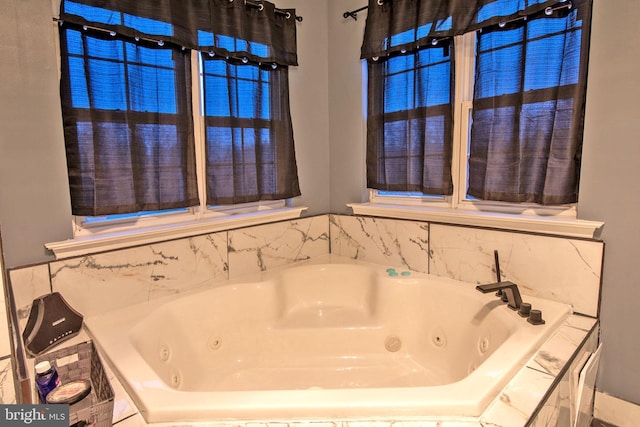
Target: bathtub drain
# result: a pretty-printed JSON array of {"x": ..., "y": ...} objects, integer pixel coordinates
[{"x": 392, "y": 343}]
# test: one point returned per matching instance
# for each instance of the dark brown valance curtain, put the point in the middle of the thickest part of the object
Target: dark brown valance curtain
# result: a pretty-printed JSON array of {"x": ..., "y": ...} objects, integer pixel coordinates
[
  {"x": 394, "y": 26},
  {"x": 205, "y": 25}
]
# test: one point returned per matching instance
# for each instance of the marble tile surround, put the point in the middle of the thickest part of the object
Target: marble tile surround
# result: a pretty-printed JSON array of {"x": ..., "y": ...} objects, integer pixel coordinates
[
  {"x": 7, "y": 390},
  {"x": 257, "y": 249},
  {"x": 560, "y": 269},
  {"x": 101, "y": 282},
  {"x": 557, "y": 268},
  {"x": 397, "y": 243}
]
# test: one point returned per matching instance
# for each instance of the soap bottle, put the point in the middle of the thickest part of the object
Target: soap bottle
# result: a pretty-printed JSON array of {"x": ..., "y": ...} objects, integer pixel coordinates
[{"x": 46, "y": 378}]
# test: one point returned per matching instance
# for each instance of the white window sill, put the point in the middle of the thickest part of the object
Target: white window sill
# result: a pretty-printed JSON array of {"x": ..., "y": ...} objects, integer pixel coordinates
[
  {"x": 560, "y": 226},
  {"x": 109, "y": 241}
]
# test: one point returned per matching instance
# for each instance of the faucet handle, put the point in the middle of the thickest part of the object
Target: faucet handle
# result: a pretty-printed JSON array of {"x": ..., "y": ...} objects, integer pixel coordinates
[
  {"x": 535, "y": 318},
  {"x": 525, "y": 309}
]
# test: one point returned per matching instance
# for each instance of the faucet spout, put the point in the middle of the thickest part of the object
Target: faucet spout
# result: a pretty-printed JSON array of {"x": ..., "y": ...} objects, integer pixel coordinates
[{"x": 514, "y": 300}]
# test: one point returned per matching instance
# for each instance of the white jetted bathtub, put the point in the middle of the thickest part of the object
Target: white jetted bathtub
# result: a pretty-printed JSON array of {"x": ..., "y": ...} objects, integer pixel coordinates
[{"x": 331, "y": 340}]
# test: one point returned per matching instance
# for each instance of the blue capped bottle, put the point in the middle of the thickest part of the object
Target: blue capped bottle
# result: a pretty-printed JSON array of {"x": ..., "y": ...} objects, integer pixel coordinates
[{"x": 46, "y": 378}]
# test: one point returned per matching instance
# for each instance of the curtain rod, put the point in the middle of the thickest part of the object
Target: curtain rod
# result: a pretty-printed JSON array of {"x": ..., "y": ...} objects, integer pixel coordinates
[
  {"x": 260, "y": 6},
  {"x": 160, "y": 42},
  {"x": 354, "y": 13},
  {"x": 548, "y": 11}
]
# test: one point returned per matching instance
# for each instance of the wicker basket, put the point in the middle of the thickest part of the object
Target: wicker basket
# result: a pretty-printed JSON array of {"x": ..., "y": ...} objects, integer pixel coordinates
[{"x": 97, "y": 408}]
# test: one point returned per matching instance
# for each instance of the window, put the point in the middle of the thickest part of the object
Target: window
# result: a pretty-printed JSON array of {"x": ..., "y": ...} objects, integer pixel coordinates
[
  {"x": 410, "y": 122},
  {"x": 518, "y": 103},
  {"x": 144, "y": 144},
  {"x": 128, "y": 125},
  {"x": 246, "y": 113}
]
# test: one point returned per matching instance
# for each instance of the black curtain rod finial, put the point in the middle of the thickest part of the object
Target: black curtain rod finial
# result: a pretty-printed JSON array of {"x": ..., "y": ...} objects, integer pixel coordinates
[
  {"x": 350, "y": 14},
  {"x": 354, "y": 13}
]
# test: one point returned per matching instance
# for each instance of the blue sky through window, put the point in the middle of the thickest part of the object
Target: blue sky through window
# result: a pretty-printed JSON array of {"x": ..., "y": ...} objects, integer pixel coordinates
[
  {"x": 110, "y": 17},
  {"x": 116, "y": 66}
]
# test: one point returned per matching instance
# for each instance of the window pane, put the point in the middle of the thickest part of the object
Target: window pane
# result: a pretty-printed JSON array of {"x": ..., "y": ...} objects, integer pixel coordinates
[
  {"x": 137, "y": 151},
  {"x": 151, "y": 79},
  {"x": 108, "y": 85},
  {"x": 526, "y": 131}
]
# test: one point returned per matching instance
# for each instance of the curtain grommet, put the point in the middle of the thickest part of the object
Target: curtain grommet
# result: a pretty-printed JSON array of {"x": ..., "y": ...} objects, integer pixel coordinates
[
  {"x": 288, "y": 15},
  {"x": 380, "y": 2}
]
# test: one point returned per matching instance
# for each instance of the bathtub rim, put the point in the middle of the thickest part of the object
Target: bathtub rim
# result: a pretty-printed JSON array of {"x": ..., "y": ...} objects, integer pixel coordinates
[{"x": 228, "y": 407}]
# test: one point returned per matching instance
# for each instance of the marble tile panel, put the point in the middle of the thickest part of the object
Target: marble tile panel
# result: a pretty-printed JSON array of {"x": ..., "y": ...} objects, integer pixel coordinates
[
  {"x": 123, "y": 406},
  {"x": 7, "y": 390},
  {"x": 561, "y": 269},
  {"x": 559, "y": 409},
  {"x": 190, "y": 263},
  {"x": 259, "y": 248},
  {"x": 138, "y": 421},
  {"x": 5, "y": 344},
  {"x": 398, "y": 243},
  {"x": 98, "y": 283},
  {"x": 438, "y": 422},
  {"x": 555, "y": 410},
  {"x": 518, "y": 399},
  {"x": 28, "y": 284},
  {"x": 133, "y": 421},
  {"x": 558, "y": 350}
]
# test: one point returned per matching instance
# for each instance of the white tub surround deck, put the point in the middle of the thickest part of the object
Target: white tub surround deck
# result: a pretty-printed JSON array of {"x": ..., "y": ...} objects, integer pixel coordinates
[{"x": 329, "y": 339}]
